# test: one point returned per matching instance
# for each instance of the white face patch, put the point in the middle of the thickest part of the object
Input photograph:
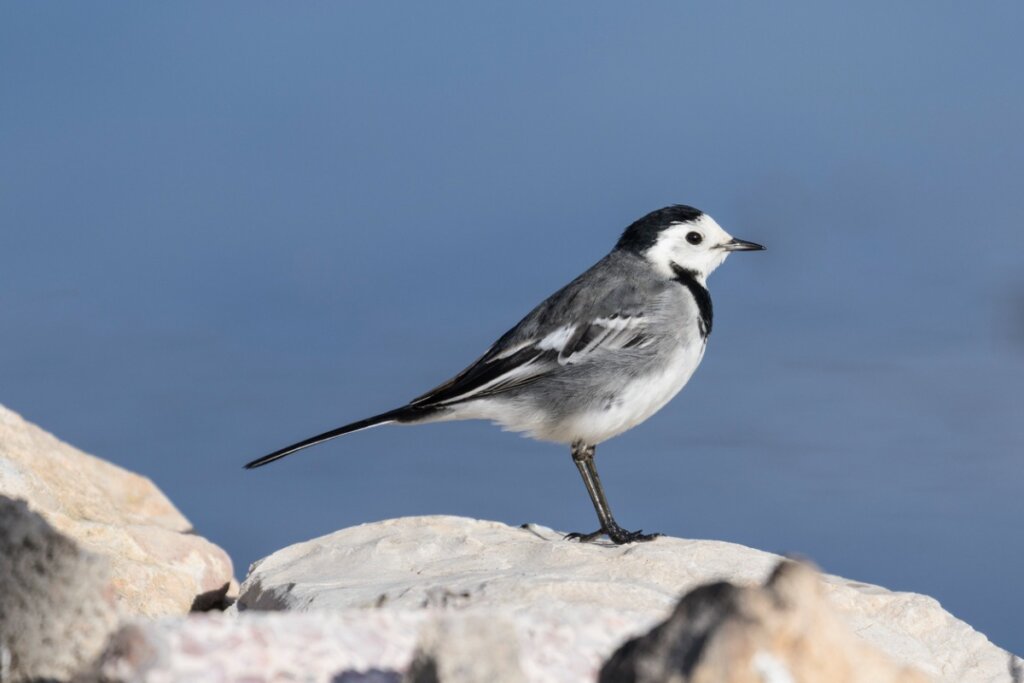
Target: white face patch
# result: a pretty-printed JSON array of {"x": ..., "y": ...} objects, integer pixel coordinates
[{"x": 694, "y": 245}]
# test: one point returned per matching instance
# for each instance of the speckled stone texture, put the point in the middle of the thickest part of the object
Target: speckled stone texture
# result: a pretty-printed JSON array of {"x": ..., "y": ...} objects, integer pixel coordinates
[
  {"x": 158, "y": 565},
  {"x": 365, "y": 644}
]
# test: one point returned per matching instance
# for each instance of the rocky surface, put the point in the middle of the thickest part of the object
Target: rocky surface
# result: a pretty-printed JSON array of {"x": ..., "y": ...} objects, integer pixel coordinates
[
  {"x": 158, "y": 565},
  {"x": 460, "y": 645},
  {"x": 212, "y": 647},
  {"x": 468, "y": 647},
  {"x": 534, "y": 575},
  {"x": 57, "y": 606},
  {"x": 783, "y": 631}
]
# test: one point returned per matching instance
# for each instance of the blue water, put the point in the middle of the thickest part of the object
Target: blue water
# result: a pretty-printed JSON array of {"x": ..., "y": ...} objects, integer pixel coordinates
[{"x": 226, "y": 228}]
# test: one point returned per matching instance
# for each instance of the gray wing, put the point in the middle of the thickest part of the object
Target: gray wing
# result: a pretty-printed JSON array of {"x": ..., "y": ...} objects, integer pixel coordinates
[{"x": 604, "y": 311}]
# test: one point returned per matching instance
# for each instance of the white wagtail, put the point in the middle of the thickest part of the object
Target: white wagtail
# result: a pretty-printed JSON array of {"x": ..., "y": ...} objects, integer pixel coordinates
[{"x": 597, "y": 357}]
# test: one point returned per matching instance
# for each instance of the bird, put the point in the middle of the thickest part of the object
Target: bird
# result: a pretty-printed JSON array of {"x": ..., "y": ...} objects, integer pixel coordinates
[{"x": 593, "y": 360}]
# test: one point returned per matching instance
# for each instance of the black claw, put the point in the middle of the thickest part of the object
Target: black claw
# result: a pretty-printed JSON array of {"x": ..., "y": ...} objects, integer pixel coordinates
[
  {"x": 632, "y": 537},
  {"x": 619, "y": 536},
  {"x": 616, "y": 534}
]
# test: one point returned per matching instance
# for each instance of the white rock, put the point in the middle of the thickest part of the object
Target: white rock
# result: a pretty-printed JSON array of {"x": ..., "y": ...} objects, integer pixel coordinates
[
  {"x": 467, "y": 648},
  {"x": 450, "y": 562},
  {"x": 214, "y": 647},
  {"x": 359, "y": 645},
  {"x": 158, "y": 565}
]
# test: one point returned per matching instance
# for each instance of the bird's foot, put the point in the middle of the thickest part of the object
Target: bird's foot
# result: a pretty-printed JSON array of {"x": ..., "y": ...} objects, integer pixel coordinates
[
  {"x": 617, "y": 534},
  {"x": 583, "y": 538}
]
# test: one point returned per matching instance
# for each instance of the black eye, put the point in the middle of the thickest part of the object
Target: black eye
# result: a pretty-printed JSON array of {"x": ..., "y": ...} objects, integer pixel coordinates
[{"x": 694, "y": 237}]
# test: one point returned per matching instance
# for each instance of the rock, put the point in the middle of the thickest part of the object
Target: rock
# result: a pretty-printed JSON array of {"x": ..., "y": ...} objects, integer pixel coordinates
[
  {"x": 366, "y": 645},
  {"x": 56, "y": 602},
  {"x": 610, "y": 592},
  {"x": 783, "y": 631},
  {"x": 467, "y": 649},
  {"x": 158, "y": 564}
]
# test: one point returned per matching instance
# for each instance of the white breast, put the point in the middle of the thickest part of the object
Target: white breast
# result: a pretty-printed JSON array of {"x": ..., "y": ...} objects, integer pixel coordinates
[{"x": 638, "y": 401}]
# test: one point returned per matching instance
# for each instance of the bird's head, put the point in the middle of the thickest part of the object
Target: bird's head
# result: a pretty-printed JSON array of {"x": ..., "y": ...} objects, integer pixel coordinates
[{"x": 683, "y": 236}]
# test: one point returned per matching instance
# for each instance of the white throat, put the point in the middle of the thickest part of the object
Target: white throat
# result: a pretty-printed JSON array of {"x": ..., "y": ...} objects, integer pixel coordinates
[{"x": 673, "y": 247}]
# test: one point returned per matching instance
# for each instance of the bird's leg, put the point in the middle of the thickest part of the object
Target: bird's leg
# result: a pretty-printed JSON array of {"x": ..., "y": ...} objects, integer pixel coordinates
[{"x": 583, "y": 456}]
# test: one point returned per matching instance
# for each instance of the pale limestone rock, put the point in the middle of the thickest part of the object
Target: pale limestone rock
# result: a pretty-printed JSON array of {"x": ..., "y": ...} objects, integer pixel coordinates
[
  {"x": 783, "y": 632},
  {"x": 56, "y": 603},
  {"x": 450, "y": 562},
  {"x": 361, "y": 646},
  {"x": 367, "y": 645},
  {"x": 467, "y": 648},
  {"x": 158, "y": 565}
]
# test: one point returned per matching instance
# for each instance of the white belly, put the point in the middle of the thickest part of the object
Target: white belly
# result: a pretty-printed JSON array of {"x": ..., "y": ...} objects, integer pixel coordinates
[{"x": 637, "y": 402}]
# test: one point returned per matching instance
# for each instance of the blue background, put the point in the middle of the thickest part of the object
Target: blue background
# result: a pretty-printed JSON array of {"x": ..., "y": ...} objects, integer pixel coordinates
[{"x": 227, "y": 227}]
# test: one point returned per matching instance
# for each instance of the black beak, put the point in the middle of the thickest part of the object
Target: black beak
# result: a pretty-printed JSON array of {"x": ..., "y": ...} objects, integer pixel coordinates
[{"x": 741, "y": 245}]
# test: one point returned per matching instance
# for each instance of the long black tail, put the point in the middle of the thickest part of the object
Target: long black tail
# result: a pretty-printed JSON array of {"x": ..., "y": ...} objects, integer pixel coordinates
[{"x": 403, "y": 414}]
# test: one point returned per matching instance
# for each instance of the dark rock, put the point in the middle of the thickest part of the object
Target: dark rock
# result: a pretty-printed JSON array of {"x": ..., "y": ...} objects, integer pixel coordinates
[
  {"x": 785, "y": 631},
  {"x": 57, "y": 606}
]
